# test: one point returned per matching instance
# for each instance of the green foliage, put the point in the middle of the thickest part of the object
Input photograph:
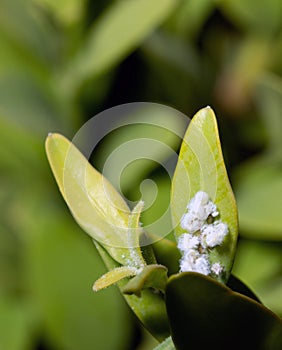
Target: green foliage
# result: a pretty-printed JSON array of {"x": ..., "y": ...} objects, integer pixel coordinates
[
  {"x": 195, "y": 304},
  {"x": 95, "y": 204},
  {"x": 201, "y": 167},
  {"x": 107, "y": 44},
  {"x": 203, "y": 311},
  {"x": 53, "y": 77},
  {"x": 166, "y": 345},
  {"x": 260, "y": 180}
]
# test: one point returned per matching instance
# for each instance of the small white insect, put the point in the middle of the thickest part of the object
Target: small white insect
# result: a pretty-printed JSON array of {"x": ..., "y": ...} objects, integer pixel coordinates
[
  {"x": 199, "y": 208},
  {"x": 202, "y": 265},
  {"x": 213, "y": 234},
  {"x": 217, "y": 268},
  {"x": 187, "y": 242}
]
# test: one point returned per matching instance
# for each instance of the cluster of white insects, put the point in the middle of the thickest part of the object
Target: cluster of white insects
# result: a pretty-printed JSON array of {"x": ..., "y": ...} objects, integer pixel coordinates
[{"x": 204, "y": 232}]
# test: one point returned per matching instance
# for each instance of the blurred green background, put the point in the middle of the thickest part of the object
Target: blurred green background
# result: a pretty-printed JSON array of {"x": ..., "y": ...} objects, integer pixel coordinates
[{"x": 61, "y": 62}]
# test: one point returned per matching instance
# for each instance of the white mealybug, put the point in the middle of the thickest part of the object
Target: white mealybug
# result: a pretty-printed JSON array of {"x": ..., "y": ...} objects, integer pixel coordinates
[
  {"x": 202, "y": 264},
  {"x": 216, "y": 268},
  {"x": 213, "y": 234},
  {"x": 187, "y": 242},
  {"x": 203, "y": 233},
  {"x": 194, "y": 261},
  {"x": 199, "y": 208},
  {"x": 187, "y": 263}
]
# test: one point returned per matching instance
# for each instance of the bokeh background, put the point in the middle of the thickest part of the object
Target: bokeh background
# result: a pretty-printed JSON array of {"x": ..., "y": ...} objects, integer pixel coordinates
[{"x": 61, "y": 62}]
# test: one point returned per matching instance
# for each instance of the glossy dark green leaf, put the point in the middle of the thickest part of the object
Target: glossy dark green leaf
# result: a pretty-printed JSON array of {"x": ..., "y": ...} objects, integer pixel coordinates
[{"x": 204, "y": 313}]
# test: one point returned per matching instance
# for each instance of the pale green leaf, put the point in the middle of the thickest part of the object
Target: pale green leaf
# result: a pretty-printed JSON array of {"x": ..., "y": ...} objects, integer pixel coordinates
[
  {"x": 95, "y": 204},
  {"x": 135, "y": 230},
  {"x": 201, "y": 168},
  {"x": 114, "y": 276},
  {"x": 166, "y": 345}
]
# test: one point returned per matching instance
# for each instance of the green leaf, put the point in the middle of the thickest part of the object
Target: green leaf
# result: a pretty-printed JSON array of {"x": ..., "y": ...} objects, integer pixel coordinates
[
  {"x": 204, "y": 313},
  {"x": 147, "y": 138},
  {"x": 238, "y": 286},
  {"x": 135, "y": 230},
  {"x": 166, "y": 345},
  {"x": 269, "y": 100},
  {"x": 167, "y": 254},
  {"x": 151, "y": 276},
  {"x": 171, "y": 60},
  {"x": 66, "y": 11},
  {"x": 190, "y": 17},
  {"x": 114, "y": 276},
  {"x": 258, "y": 185},
  {"x": 263, "y": 17},
  {"x": 95, "y": 204},
  {"x": 24, "y": 24},
  {"x": 258, "y": 263},
  {"x": 201, "y": 167},
  {"x": 120, "y": 29},
  {"x": 149, "y": 307}
]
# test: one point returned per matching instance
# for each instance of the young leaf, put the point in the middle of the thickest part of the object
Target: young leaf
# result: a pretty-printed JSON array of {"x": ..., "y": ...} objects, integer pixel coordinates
[
  {"x": 201, "y": 167},
  {"x": 114, "y": 276},
  {"x": 151, "y": 276},
  {"x": 166, "y": 345},
  {"x": 149, "y": 307},
  {"x": 95, "y": 204}
]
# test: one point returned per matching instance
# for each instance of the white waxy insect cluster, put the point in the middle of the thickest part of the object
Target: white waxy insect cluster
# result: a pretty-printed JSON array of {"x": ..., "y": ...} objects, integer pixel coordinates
[{"x": 204, "y": 232}]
